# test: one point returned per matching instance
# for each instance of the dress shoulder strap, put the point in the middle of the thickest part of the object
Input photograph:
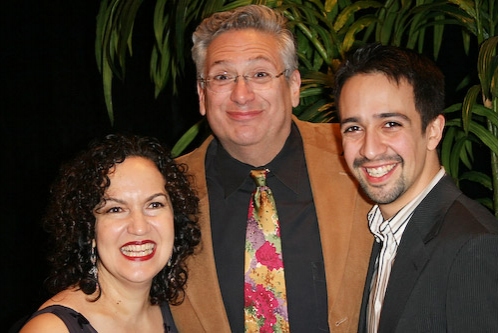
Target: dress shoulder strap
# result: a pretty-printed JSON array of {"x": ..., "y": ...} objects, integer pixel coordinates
[
  {"x": 168, "y": 319},
  {"x": 75, "y": 321}
]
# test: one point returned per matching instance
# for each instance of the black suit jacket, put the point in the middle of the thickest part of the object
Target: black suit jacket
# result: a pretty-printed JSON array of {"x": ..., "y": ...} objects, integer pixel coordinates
[{"x": 444, "y": 277}]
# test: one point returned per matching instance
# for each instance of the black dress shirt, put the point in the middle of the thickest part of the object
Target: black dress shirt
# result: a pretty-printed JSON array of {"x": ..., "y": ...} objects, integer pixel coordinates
[{"x": 229, "y": 190}]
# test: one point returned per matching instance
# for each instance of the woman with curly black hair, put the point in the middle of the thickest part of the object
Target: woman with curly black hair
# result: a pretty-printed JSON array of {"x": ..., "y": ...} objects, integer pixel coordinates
[{"x": 122, "y": 222}]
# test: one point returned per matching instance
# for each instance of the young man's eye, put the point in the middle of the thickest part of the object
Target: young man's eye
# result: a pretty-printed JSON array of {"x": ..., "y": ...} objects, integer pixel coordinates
[
  {"x": 351, "y": 129},
  {"x": 392, "y": 124}
]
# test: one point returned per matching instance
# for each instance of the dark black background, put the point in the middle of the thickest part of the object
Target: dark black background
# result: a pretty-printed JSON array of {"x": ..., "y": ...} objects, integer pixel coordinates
[{"x": 51, "y": 106}]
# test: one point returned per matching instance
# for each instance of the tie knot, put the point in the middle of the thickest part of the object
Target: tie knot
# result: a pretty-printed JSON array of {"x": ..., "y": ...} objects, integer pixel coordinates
[{"x": 259, "y": 176}]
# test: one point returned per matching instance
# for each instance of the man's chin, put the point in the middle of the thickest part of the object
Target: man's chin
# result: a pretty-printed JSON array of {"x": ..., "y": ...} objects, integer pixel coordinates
[{"x": 380, "y": 194}]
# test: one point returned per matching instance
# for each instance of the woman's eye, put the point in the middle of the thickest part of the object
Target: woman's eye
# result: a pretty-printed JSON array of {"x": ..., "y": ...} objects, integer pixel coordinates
[
  {"x": 114, "y": 210},
  {"x": 156, "y": 205}
]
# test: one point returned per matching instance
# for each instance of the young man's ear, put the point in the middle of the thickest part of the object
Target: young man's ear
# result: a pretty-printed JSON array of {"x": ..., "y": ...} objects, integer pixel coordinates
[{"x": 434, "y": 132}]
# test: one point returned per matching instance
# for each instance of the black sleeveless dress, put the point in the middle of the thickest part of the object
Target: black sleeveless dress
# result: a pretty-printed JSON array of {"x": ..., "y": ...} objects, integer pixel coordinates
[{"x": 77, "y": 323}]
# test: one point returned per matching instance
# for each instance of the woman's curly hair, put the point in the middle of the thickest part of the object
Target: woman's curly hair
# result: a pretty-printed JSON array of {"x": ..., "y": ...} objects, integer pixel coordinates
[{"x": 80, "y": 188}]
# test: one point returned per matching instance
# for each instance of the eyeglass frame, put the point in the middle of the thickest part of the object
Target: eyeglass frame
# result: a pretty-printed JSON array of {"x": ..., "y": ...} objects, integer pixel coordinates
[{"x": 233, "y": 80}]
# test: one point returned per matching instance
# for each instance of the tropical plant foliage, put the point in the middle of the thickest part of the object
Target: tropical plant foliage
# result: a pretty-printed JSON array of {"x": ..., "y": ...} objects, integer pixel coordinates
[
  {"x": 325, "y": 31},
  {"x": 472, "y": 124}
]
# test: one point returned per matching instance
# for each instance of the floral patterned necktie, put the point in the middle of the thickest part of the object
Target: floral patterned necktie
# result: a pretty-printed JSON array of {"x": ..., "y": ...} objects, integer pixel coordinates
[{"x": 265, "y": 304}]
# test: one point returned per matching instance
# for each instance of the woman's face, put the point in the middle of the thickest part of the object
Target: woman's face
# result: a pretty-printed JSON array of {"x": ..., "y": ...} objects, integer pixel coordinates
[{"x": 134, "y": 228}]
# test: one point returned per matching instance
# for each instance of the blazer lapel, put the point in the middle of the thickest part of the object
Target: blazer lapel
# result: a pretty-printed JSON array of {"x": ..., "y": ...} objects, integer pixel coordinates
[
  {"x": 415, "y": 251},
  {"x": 342, "y": 217},
  {"x": 324, "y": 179},
  {"x": 409, "y": 262},
  {"x": 367, "y": 287},
  {"x": 202, "y": 289}
]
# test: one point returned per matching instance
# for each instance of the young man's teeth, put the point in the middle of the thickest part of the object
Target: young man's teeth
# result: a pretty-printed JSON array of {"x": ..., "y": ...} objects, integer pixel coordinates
[{"x": 381, "y": 171}]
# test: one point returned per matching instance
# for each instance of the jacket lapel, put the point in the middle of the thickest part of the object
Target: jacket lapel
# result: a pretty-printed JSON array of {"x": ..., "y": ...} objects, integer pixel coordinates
[
  {"x": 410, "y": 261},
  {"x": 367, "y": 287},
  {"x": 414, "y": 251},
  {"x": 342, "y": 216},
  {"x": 202, "y": 289}
]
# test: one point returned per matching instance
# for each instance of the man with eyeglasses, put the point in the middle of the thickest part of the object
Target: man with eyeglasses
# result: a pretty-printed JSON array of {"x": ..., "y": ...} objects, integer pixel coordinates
[{"x": 248, "y": 84}]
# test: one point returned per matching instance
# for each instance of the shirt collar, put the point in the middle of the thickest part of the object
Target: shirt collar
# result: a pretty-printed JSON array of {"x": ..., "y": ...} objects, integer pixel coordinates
[
  {"x": 288, "y": 166},
  {"x": 396, "y": 224}
]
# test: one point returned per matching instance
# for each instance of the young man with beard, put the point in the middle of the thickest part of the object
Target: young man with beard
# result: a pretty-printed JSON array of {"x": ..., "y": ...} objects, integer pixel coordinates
[{"x": 433, "y": 266}]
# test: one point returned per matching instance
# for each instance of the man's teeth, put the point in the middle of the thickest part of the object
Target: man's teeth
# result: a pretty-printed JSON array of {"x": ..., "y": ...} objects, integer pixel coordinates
[
  {"x": 379, "y": 172},
  {"x": 137, "y": 250}
]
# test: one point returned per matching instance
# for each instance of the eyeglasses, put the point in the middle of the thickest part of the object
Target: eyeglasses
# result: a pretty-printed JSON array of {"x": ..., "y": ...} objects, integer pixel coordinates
[{"x": 225, "y": 82}]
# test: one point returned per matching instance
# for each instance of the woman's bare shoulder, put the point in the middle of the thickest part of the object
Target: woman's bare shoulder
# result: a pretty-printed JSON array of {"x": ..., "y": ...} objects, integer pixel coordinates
[{"x": 45, "y": 322}]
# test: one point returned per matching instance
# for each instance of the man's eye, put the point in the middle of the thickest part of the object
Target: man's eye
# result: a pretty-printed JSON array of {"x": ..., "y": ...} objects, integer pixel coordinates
[
  {"x": 392, "y": 124},
  {"x": 260, "y": 75},
  {"x": 351, "y": 129},
  {"x": 222, "y": 77}
]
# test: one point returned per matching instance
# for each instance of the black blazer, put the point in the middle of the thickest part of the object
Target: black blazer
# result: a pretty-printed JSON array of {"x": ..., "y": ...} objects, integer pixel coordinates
[{"x": 444, "y": 277}]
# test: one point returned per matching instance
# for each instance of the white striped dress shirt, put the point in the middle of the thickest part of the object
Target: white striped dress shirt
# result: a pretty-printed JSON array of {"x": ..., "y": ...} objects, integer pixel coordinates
[{"x": 389, "y": 233}]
